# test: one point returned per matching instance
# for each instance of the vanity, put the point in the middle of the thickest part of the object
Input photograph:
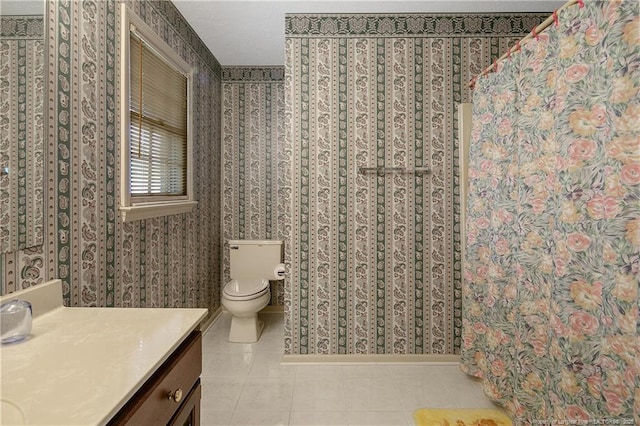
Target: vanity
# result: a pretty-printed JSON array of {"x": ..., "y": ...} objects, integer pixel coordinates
[{"x": 102, "y": 366}]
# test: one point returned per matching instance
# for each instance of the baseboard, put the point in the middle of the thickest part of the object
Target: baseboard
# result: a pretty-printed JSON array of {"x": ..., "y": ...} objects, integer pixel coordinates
[
  {"x": 418, "y": 359},
  {"x": 206, "y": 324},
  {"x": 269, "y": 309}
]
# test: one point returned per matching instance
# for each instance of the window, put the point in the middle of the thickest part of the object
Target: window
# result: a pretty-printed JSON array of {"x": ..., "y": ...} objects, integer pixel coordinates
[{"x": 156, "y": 132}]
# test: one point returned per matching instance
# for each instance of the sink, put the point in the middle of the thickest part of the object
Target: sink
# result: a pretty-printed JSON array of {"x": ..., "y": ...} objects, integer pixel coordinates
[{"x": 11, "y": 413}]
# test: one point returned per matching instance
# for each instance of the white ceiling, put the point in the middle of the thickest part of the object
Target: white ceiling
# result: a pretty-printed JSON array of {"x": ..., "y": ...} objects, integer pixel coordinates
[
  {"x": 22, "y": 7},
  {"x": 251, "y": 32}
]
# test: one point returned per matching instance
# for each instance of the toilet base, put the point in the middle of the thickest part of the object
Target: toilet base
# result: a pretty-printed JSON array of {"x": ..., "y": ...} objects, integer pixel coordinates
[
  {"x": 245, "y": 329},
  {"x": 245, "y": 325}
]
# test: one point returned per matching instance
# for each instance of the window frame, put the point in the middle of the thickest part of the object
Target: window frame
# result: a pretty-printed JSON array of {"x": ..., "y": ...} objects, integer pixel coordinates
[{"x": 173, "y": 204}]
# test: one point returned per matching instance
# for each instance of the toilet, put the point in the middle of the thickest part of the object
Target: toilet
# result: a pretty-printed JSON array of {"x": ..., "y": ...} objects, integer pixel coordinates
[{"x": 252, "y": 264}]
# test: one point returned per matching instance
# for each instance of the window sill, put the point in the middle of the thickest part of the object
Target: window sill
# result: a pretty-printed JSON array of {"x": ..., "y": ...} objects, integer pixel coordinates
[{"x": 151, "y": 210}]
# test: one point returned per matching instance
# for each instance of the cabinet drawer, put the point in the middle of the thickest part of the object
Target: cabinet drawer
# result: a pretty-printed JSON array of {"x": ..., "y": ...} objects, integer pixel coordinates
[
  {"x": 189, "y": 414},
  {"x": 163, "y": 394}
]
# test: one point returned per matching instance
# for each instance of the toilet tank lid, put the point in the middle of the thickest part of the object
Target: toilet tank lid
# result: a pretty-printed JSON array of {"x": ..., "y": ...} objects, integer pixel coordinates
[{"x": 254, "y": 242}]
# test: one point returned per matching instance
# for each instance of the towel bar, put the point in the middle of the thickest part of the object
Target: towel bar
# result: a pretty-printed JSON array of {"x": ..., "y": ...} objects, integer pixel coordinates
[{"x": 381, "y": 169}]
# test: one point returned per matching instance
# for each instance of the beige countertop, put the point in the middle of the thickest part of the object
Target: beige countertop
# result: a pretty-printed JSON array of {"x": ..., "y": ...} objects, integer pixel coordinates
[{"x": 81, "y": 365}]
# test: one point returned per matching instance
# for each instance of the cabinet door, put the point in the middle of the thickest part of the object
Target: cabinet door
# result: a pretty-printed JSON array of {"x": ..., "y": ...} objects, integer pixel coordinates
[
  {"x": 189, "y": 412},
  {"x": 155, "y": 403}
]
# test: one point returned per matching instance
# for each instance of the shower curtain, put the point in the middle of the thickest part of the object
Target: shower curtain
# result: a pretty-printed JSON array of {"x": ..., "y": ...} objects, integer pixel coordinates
[{"x": 550, "y": 299}]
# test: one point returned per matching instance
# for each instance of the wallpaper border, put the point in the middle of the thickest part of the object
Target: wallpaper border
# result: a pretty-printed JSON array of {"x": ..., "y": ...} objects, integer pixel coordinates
[
  {"x": 248, "y": 74},
  {"x": 419, "y": 25},
  {"x": 24, "y": 27}
]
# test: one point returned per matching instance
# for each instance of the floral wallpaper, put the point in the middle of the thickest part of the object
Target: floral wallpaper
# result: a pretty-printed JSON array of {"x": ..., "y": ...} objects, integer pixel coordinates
[
  {"x": 173, "y": 261},
  {"x": 375, "y": 258},
  {"x": 252, "y": 159},
  {"x": 550, "y": 300}
]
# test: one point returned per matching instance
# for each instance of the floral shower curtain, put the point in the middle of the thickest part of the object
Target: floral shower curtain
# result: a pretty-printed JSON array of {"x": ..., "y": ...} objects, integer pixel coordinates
[{"x": 550, "y": 302}]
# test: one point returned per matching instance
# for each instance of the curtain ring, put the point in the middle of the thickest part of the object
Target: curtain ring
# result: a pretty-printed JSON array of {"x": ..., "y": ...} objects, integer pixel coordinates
[
  {"x": 535, "y": 33},
  {"x": 581, "y": 3},
  {"x": 555, "y": 17}
]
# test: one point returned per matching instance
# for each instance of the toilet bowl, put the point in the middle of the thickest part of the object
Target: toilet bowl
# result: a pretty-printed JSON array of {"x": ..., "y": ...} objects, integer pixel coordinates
[
  {"x": 252, "y": 263},
  {"x": 243, "y": 300}
]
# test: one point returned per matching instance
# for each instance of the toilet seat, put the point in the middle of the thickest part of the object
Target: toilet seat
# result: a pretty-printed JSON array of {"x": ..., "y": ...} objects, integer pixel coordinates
[{"x": 246, "y": 289}]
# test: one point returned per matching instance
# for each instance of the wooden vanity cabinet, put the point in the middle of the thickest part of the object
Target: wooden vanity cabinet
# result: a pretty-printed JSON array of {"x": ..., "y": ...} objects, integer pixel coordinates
[{"x": 172, "y": 395}]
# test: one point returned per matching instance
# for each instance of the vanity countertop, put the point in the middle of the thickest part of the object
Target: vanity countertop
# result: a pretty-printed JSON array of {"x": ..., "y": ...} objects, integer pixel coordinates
[{"x": 81, "y": 365}]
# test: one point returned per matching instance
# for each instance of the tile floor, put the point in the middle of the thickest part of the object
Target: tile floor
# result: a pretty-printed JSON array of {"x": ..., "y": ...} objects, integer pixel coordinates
[{"x": 246, "y": 384}]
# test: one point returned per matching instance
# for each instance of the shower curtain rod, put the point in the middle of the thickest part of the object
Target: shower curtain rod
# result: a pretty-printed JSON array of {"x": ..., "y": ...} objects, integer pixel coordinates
[{"x": 534, "y": 33}]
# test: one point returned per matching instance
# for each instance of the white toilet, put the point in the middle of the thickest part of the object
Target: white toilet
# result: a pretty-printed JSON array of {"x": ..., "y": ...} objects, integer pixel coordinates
[{"x": 252, "y": 264}]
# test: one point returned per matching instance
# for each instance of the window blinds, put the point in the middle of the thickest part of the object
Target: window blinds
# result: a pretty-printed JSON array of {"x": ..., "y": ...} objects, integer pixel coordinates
[{"x": 158, "y": 125}]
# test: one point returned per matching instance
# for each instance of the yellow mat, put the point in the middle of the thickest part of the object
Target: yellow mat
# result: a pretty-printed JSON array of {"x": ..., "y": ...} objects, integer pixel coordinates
[{"x": 460, "y": 417}]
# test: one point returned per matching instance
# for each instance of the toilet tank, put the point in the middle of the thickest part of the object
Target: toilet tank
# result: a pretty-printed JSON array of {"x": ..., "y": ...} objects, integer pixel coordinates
[{"x": 254, "y": 258}]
